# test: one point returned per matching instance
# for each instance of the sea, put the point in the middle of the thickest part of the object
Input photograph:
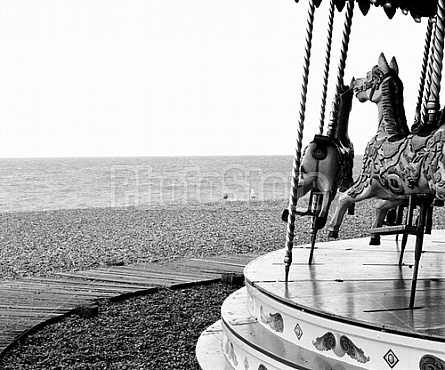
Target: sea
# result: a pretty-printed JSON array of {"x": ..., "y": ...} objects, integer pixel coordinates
[{"x": 39, "y": 184}]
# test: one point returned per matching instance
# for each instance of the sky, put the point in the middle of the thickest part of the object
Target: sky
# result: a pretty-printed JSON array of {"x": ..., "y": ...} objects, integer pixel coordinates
[{"x": 81, "y": 78}]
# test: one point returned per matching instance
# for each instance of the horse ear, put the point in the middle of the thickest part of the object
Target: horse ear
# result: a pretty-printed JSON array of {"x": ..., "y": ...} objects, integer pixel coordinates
[
  {"x": 394, "y": 66},
  {"x": 383, "y": 64}
]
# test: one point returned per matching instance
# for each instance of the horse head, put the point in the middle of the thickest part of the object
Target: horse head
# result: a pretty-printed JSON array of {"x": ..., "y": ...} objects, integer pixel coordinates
[
  {"x": 370, "y": 86},
  {"x": 383, "y": 87}
]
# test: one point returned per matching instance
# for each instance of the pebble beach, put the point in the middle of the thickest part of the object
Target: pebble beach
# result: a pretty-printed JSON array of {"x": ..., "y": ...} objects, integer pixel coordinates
[
  {"x": 40, "y": 243},
  {"x": 154, "y": 331}
]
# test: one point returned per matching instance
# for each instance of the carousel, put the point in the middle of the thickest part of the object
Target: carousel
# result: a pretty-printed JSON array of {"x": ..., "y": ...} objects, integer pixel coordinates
[{"x": 363, "y": 303}]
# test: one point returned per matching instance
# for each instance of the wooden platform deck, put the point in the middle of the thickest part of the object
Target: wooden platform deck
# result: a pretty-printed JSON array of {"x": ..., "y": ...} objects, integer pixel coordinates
[{"x": 27, "y": 304}]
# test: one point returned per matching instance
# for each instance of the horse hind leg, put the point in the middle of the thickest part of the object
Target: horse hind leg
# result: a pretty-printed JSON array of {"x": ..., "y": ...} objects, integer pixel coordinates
[
  {"x": 381, "y": 211},
  {"x": 344, "y": 203},
  {"x": 328, "y": 197}
]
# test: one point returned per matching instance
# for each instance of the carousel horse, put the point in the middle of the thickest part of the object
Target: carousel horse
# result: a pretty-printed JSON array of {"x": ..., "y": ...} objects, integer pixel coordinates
[
  {"x": 396, "y": 163},
  {"x": 327, "y": 163}
]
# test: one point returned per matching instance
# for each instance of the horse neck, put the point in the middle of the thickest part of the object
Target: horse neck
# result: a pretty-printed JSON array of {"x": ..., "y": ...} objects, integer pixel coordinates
[
  {"x": 340, "y": 130},
  {"x": 392, "y": 119}
]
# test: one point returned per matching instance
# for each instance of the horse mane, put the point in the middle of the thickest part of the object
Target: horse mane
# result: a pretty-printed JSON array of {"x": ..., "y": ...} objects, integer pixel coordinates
[
  {"x": 394, "y": 110},
  {"x": 340, "y": 131}
]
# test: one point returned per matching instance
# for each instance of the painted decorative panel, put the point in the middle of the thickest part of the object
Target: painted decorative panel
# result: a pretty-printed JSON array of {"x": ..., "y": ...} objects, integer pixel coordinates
[
  {"x": 298, "y": 331},
  {"x": 325, "y": 342},
  {"x": 274, "y": 320},
  {"x": 391, "y": 358},
  {"x": 340, "y": 347},
  {"x": 246, "y": 364},
  {"x": 230, "y": 352},
  {"x": 352, "y": 350}
]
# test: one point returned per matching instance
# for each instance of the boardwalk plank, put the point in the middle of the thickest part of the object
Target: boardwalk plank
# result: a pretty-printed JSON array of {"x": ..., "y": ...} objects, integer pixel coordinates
[
  {"x": 33, "y": 295},
  {"x": 89, "y": 275},
  {"x": 86, "y": 286},
  {"x": 157, "y": 276},
  {"x": 79, "y": 282},
  {"x": 56, "y": 301},
  {"x": 36, "y": 290},
  {"x": 183, "y": 274}
]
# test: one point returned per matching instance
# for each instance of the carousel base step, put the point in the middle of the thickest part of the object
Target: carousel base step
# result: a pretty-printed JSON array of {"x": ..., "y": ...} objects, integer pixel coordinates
[
  {"x": 239, "y": 341},
  {"x": 209, "y": 350}
]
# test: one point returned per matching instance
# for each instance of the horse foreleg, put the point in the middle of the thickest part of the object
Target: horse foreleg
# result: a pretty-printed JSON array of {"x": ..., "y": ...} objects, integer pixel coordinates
[{"x": 303, "y": 188}]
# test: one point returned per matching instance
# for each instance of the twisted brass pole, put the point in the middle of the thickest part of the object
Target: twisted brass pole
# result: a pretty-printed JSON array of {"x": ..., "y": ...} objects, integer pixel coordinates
[
  {"x": 434, "y": 98},
  {"x": 427, "y": 88},
  {"x": 297, "y": 158},
  {"x": 327, "y": 65},
  {"x": 426, "y": 53},
  {"x": 343, "y": 57}
]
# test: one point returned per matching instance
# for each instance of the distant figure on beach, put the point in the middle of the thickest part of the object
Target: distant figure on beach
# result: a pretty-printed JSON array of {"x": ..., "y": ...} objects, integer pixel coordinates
[
  {"x": 225, "y": 196},
  {"x": 252, "y": 194}
]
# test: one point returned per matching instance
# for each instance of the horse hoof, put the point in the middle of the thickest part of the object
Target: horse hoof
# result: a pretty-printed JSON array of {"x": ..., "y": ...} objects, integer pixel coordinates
[
  {"x": 285, "y": 215},
  {"x": 320, "y": 222},
  {"x": 375, "y": 240},
  {"x": 439, "y": 202},
  {"x": 351, "y": 209},
  {"x": 333, "y": 234}
]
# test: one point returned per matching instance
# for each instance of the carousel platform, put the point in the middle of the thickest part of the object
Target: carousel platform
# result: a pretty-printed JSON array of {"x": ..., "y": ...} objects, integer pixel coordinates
[{"x": 348, "y": 310}]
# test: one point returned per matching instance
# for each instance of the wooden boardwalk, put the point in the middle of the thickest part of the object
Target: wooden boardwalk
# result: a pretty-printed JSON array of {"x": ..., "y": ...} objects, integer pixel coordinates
[{"x": 27, "y": 304}]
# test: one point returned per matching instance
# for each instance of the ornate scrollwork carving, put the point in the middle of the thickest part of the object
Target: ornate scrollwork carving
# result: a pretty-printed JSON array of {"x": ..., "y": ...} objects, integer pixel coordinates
[
  {"x": 274, "y": 320},
  {"x": 325, "y": 342},
  {"x": 430, "y": 362},
  {"x": 352, "y": 350}
]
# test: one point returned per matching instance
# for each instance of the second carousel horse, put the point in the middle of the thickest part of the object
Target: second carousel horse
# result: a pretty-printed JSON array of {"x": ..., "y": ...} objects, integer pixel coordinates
[
  {"x": 327, "y": 163},
  {"x": 396, "y": 163}
]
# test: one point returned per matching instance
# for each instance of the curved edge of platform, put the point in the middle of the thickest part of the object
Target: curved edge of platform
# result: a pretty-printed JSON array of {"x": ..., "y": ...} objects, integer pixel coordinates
[
  {"x": 331, "y": 335},
  {"x": 246, "y": 344}
]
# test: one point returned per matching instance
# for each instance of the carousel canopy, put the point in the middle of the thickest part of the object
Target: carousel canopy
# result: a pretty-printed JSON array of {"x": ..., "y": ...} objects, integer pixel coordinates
[{"x": 417, "y": 8}]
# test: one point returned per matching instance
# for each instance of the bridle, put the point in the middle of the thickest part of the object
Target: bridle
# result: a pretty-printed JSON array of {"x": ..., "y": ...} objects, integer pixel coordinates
[{"x": 377, "y": 78}]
